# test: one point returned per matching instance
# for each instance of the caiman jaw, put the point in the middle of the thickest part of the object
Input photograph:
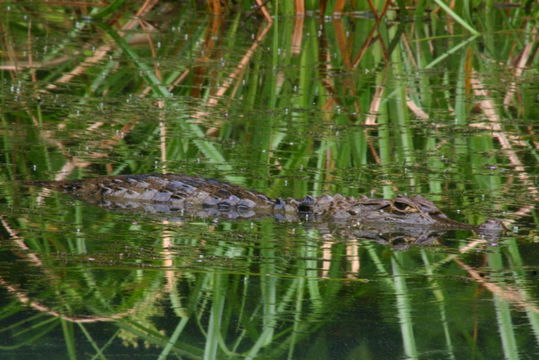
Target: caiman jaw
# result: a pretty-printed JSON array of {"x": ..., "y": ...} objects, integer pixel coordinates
[{"x": 210, "y": 198}]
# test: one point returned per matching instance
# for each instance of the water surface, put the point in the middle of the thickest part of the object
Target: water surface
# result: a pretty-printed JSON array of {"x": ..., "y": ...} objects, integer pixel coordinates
[{"x": 302, "y": 106}]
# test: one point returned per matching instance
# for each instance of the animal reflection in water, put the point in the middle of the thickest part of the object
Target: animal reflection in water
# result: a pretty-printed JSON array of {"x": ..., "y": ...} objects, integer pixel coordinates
[{"x": 405, "y": 219}]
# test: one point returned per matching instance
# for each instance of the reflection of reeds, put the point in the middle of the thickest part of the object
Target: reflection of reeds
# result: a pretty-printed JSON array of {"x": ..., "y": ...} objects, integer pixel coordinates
[{"x": 401, "y": 73}]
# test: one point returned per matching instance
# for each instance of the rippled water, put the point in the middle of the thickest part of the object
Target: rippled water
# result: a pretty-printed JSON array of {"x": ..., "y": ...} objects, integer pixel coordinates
[{"x": 243, "y": 104}]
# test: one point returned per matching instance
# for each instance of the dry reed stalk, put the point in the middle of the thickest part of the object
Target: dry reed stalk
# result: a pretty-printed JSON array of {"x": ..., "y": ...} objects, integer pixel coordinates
[
  {"x": 416, "y": 109},
  {"x": 322, "y": 8},
  {"x": 327, "y": 82},
  {"x": 408, "y": 50},
  {"x": 450, "y": 21},
  {"x": 24, "y": 298},
  {"x": 339, "y": 7},
  {"x": 385, "y": 8},
  {"x": 215, "y": 7},
  {"x": 297, "y": 36},
  {"x": 342, "y": 43},
  {"x": 147, "y": 28},
  {"x": 67, "y": 169},
  {"x": 168, "y": 258},
  {"x": 19, "y": 241},
  {"x": 19, "y": 65},
  {"x": 374, "y": 108},
  {"x": 472, "y": 245},
  {"x": 178, "y": 80},
  {"x": 376, "y": 101},
  {"x": 510, "y": 295},
  {"x": 520, "y": 67},
  {"x": 324, "y": 66},
  {"x": 99, "y": 54},
  {"x": 344, "y": 46},
  {"x": 300, "y": 7},
  {"x": 370, "y": 39},
  {"x": 102, "y": 51},
  {"x": 261, "y": 5},
  {"x": 162, "y": 137},
  {"x": 8, "y": 46},
  {"x": 352, "y": 255},
  {"x": 75, "y": 162},
  {"x": 326, "y": 255},
  {"x": 234, "y": 75},
  {"x": 489, "y": 110},
  {"x": 200, "y": 70}
]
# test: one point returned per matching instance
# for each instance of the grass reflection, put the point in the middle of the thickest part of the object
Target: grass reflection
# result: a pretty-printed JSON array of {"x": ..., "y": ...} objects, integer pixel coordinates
[{"x": 377, "y": 100}]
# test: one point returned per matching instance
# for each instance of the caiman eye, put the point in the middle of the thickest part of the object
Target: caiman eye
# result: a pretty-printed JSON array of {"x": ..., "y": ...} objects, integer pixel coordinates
[
  {"x": 400, "y": 205},
  {"x": 306, "y": 204}
]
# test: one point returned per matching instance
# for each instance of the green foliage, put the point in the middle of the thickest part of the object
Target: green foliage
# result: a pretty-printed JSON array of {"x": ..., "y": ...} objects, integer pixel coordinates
[{"x": 305, "y": 105}]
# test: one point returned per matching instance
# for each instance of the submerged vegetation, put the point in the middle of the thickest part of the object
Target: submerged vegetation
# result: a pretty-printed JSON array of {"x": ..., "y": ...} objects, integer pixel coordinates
[{"x": 289, "y": 98}]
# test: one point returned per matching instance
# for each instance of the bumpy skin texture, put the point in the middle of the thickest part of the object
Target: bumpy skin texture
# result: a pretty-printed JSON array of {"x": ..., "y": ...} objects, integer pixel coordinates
[
  {"x": 192, "y": 196},
  {"x": 170, "y": 193}
]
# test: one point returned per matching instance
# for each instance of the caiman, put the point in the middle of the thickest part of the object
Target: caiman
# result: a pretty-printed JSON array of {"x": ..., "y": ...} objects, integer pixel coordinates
[{"x": 193, "y": 196}]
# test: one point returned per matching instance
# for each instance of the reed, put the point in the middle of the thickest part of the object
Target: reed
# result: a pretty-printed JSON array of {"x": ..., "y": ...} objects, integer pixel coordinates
[{"x": 289, "y": 98}]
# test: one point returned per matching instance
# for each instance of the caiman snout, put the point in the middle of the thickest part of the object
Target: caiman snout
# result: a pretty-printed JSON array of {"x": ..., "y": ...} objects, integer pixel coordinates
[{"x": 492, "y": 225}]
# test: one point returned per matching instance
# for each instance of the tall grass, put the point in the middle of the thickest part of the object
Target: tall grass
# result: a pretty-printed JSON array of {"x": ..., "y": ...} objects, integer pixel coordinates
[{"x": 368, "y": 98}]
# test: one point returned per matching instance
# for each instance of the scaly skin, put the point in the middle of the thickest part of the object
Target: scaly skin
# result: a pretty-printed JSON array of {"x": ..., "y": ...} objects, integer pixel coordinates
[{"x": 209, "y": 198}]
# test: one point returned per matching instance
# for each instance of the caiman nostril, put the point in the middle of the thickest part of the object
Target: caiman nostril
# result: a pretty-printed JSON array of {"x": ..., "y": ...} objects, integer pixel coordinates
[
  {"x": 210, "y": 198},
  {"x": 306, "y": 204}
]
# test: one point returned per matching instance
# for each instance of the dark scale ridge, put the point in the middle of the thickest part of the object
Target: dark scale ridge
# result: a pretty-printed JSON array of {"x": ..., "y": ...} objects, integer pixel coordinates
[{"x": 193, "y": 196}]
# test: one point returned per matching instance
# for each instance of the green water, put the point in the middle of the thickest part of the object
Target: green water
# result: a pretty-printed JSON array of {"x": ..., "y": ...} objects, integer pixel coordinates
[{"x": 427, "y": 101}]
